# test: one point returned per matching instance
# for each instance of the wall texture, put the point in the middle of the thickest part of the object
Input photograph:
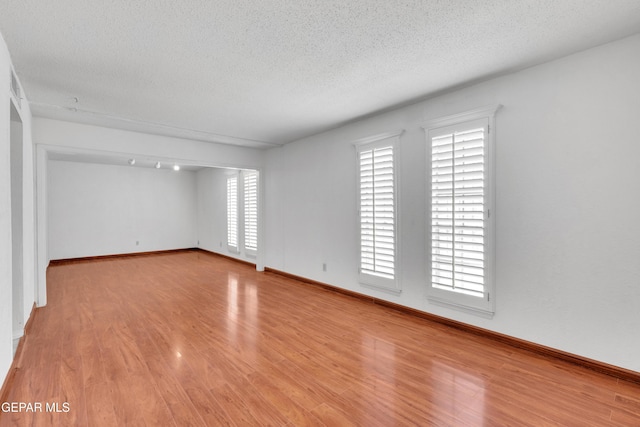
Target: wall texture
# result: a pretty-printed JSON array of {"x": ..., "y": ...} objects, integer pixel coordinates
[
  {"x": 567, "y": 180},
  {"x": 97, "y": 209}
]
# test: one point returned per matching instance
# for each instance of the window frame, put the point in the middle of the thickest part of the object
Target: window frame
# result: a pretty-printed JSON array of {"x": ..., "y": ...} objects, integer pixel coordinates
[
  {"x": 230, "y": 246},
  {"x": 483, "y": 306},
  {"x": 387, "y": 139},
  {"x": 241, "y": 213},
  {"x": 249, "y": 250}
]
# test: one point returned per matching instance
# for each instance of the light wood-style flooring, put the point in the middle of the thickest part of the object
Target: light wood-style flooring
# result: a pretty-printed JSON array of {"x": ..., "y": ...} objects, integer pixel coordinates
[{"x": 190, "y": 338}]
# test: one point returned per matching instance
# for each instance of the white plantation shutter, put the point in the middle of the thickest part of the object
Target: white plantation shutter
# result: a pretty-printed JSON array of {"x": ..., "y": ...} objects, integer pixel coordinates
[
  {"x": 232, "y": 212},
  {"x": 377, "y": 211},
  {"x": 458, "y": 211},
  {"x": 461, "y": 199},
  {"x": 251, "y": 210}
]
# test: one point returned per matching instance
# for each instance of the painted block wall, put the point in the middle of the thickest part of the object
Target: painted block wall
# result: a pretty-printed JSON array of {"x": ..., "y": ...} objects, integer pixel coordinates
[
  {"x": 567, "y": 186},
  {"x": 97, "y": 209}
]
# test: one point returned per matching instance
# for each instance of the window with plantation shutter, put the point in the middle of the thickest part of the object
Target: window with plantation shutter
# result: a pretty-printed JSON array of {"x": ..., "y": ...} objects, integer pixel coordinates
[
  {"x": 457, "y": 211},
  {"x": 377, "y": 209},
  {"x": 461, "y": 202},
  {"x": 232, "y": 213},
  {"x": 251, "y": 210}
]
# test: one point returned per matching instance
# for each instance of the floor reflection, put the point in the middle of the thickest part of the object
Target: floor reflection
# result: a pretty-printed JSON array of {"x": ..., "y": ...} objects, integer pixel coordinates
[
  {"x": 378, "y": 357},
  {"x": 457, "y": 391},
  {"x": 379, "y": 364},
  {"x": 232, "y": 306},
  {"x": 242, "y": 310},
  {"x": 424, "y": 391}
]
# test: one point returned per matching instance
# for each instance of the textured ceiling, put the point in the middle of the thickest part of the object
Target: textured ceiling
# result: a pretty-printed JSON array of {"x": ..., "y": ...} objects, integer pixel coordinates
[{"x": 265, "y": 72}]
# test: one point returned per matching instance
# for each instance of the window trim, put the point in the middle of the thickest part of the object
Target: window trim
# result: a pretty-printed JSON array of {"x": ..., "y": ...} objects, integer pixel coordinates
[
  {"x": 385, "y": 139},
  {"x": 484, "y": 306},
  {"x": 240, "y": 178},
  {"x": 250, "y": 251},
  {"x": 230, "y": 247}
]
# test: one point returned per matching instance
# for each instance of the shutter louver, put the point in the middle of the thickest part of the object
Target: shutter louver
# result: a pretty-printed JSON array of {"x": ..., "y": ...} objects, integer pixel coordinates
[
  {"x": 232, "y": 211},
  {"x": 377, "y": 212},
  {"x": 457, "y": 211},
  {"x": 251, "y": 210}
]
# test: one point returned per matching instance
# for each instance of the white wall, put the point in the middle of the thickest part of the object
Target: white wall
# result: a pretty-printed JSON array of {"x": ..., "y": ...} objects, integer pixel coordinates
[
  {"x": 212, "y": 208},
  {"x": 17, "y": 223},
  {"x": 5, "y": 216},
  {"x": 567, "y": 183},
  {"x": 66, "y": 136},
  {"x": 97, "y": 209},
  {"x": 28, "y": 230},
  {"x": 29, "y": 215}
]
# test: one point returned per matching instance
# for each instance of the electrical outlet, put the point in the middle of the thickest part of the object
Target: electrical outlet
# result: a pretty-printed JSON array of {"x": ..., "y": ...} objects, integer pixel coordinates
[
  {"x": 137, "y": 242},
  {"x": 324, "y": 266}
]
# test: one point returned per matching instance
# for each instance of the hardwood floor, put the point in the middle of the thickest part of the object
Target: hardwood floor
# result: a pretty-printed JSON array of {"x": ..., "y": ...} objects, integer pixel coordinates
[{"x": 189, "y": 338}]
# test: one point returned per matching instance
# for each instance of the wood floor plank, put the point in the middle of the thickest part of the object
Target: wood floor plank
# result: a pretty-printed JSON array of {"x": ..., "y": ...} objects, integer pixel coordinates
[
  {"x": 331, "y": 417},
  {"x": 174, "y": 396},
  {"x": 281, "y": 401},
  {"x": 72, "y": 389},
  {"x": 192, "y": 339},
  {"x": 260, "y": 408},
  {"x": 99, "y": 405},
  {"x": 205, "y": 403}
]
